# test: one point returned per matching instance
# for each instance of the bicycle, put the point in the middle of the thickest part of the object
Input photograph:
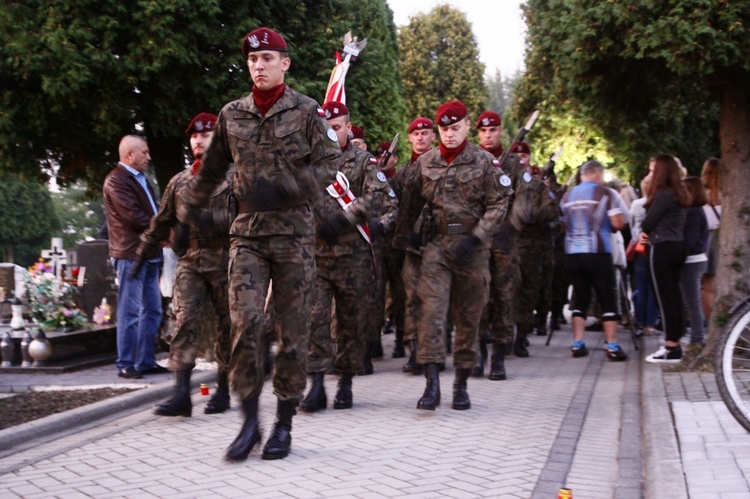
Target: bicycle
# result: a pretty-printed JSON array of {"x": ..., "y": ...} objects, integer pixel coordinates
[{"x": 732, "y": 363}]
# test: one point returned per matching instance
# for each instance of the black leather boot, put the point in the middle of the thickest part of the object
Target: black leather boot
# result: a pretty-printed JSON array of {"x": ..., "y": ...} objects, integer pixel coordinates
[
  {"x": 398, "y": 346},
  {"x": 316, "y": 399},
  {"x": 377, "y": 349},
  {"x": 411, "y": 365},
  {"x": 249, "y": 434},
  {"x": 497, "y": 362},
  {"x": 519, "y": 347},
  {"x": 478, "y": 370},
  {"x": 219, "y": 402},
  {"x": 280, "y": 441},
  {"x": 431, "y": 396},
  {"x": 343, "y": 398},
  {"x": 388, "y": 326},
  {"x": 367, "y": 367},
  {"x": 461, "y": 400},
  {"x": 541, "y": 324},
  {"x": 180, "y": 403}
]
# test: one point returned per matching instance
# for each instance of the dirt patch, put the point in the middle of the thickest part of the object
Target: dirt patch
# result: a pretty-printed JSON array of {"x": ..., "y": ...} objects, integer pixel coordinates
[{"x": 30, "y": 406}]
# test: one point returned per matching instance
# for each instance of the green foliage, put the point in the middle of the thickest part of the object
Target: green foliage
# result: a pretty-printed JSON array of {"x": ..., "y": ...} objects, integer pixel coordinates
[
  {"x": 440, "y": 62},
  {"x": 80, "y": 216},
  {"x": 27, "y": 219}
]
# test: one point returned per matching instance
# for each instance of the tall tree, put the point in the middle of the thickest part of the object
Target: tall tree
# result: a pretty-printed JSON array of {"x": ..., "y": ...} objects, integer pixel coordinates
[
  {"x": 81, "y": 217},
  {"x": 440, "y": 62},
  {"x": 653, "y": 74}
]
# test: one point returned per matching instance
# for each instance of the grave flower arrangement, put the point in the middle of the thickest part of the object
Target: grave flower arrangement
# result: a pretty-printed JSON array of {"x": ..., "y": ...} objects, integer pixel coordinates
[{"x": 52, "y": 301}]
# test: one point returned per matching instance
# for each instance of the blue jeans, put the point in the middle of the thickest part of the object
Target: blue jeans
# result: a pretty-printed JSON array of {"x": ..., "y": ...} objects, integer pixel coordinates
[
  {"x": 138, "y": 315},
  {"x": 644, "y": 298},
  {"x": 690, "y": 281}
]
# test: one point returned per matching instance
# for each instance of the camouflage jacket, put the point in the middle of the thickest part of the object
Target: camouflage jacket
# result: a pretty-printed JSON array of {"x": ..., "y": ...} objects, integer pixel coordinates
[
  {"x": 284, "y": 161},
  {"x": 370, "y": 188},
  {"x": 407, "y": 216},
  {"x": 211, "y": 224},
  {"x": 469, "y": 196}
]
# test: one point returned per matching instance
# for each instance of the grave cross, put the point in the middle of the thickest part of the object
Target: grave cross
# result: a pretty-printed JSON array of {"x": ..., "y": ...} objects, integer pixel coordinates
[{"x": 56, "y": 255}]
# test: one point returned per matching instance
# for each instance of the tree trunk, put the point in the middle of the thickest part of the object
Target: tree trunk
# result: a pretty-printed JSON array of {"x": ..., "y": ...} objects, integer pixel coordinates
[{"x": 733, "y": 274}]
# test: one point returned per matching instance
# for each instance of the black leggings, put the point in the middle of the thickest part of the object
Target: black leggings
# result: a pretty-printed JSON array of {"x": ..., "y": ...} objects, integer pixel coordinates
[
  {"x": 666, "y": 260},
  {"x": 587, "y": 270}
]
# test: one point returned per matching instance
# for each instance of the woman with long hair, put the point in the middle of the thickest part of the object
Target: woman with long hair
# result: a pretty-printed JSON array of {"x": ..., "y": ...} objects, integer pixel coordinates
[
  {"x": 663, "y": 229},
  {"x": 696, "y": 261},
  {"x": 712, "y": 209}
]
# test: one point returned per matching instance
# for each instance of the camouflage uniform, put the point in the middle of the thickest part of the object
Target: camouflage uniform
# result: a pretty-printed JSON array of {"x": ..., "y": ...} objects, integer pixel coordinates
[
  {"x": 281, "y": 159},
  {"x": 552, "y": 292},
  {"x": 345, "y": 271},
  {"x": 466, "y": 198},
  {"x": 203, "y": 250}
]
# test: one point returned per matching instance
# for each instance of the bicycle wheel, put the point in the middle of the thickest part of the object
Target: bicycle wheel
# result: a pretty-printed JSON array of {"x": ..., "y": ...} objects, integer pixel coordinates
[{"x": 732, "y": 364}]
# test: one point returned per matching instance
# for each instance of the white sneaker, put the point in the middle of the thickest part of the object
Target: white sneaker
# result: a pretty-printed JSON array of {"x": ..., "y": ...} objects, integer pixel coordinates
[{"x": 664, "y": 356}]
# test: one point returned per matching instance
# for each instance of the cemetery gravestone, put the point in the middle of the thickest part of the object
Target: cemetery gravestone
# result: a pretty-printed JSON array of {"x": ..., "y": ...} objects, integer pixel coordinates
[{"x": 99, "y": 278}]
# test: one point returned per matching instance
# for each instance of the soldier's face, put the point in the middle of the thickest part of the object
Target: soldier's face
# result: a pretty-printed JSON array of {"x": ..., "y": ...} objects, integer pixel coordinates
[
  {"x": 360, "y": 143},
  {"x": 454, "y": 135},
  {"x": 489, "y": 137},
  {"x": 199, "y": 143},
  {"x": 267, "y": 68},
  {"x": 523, "y": 158},
  {"x": 341, "y": 126},
  {"x": 421, "y": 140}
]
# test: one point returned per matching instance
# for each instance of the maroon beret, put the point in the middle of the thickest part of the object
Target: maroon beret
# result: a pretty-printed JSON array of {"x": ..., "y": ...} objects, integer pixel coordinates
[
  {"x": 334, "y": 110},
  {"x": 357, "y": 133},
  {"x": 489, "y": 118},
  {"x": 522, "y": 147},
  {"x": 420, "y": 124},
  {"x": 204, "y": 122},
  {"x": 382, "y": 147},
  {"x": 450, "y": 113},
  {"x": 262, "y": 39}
]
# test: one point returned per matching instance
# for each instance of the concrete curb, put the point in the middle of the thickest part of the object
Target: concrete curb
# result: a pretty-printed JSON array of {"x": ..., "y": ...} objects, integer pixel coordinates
[
  {"x": 58, "y": 423},
  {"x": 664, "y": 476}
]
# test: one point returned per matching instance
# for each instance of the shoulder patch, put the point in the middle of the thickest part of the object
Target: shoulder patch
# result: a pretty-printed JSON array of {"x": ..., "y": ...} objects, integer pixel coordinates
[
  {"x": 526, "y": 177},
  {"x": 321, "y": 113},
  {"x": 495, "y": 162},
  {"x": 381, "y": 176},
  {"x": 373, "y": 161},
  {"x": 332, "y": 135},
  {"x": 391, "y": 193},
  {"x": 504, "y": 180}
]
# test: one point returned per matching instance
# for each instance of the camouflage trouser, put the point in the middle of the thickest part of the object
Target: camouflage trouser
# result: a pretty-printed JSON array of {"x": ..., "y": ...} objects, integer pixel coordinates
[
  {"x": 412, "y": 305},
  {"x": 547, "y": 288},
  {"x": 505, "y": 280},
  {"x": 441, "y": 283},
  {"x": 375, "y": 316},
  {"x": 533, "y": 250},
  {"x": 393, "y": 264},
  {"x": 559, "y": 293},
  {"x": 192, "y": 289},
  {"x": 349, "y": 280},
  {"x": 253, "y": 262}
]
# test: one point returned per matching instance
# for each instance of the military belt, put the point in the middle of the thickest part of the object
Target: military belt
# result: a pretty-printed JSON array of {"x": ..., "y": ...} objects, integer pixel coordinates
[
  {"x": 213, "y": 243},
  {"x": 268, "y": 204},
  {"x": 454, "y": 228}
]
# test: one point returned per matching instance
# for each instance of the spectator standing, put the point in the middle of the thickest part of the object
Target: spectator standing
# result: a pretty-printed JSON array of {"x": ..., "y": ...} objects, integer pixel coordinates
[
  {"x": 696, "y": 261},
  {"x": 710, "y": 177},
  {"x": 644, "y": 297}
]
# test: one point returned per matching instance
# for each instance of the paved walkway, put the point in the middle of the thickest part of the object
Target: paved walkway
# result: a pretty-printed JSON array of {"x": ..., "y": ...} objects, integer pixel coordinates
[{"x": 602, "y": 429}]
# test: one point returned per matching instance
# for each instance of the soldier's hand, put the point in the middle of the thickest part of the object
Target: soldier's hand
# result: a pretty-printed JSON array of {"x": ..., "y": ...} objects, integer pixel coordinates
[
  {"x": 140, "y": 258},
  {"x": 462, "y": 251},
  {"x": 376, "y": 228},
  {"x": 334, "y": 226}
]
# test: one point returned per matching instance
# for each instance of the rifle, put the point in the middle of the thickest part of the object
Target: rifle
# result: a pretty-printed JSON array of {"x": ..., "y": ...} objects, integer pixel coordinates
[
  {"x": 519, "y": 138},
  {"x": 549, "y": 168},
  {"x": 387, "y": 154}
]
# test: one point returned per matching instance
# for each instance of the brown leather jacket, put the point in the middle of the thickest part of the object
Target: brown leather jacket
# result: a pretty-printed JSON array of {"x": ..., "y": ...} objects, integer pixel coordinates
[{"x": 128, "y": 213}]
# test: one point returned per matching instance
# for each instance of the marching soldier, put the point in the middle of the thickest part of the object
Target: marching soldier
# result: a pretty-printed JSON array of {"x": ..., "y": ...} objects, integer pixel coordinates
[
  {"x": 284, "y": 153},
  {"x": 344, "y": 269},
  {"x": 466, "y": 196},
  {"x": 202, "y": 246}
]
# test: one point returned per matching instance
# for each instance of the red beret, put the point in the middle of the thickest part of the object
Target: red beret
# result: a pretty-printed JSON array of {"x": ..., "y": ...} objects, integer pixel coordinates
[
  {"x": 450, "y": 113},
  {"x": 382, "y": 147},
  {"x": 522, "y": 147},
  {"x": 357, "y": 133},
  {"x": 489, "y": 118},
  {"x": 204, "y": 122},
  {"x": 420, "y": 124},
  {"x": 334, "y": 110},
  {"x": 262, "y": 39}
]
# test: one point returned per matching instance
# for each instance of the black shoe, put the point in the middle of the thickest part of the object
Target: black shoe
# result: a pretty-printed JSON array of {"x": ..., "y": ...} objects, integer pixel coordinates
[
  {"x": 180, "y": 404},
  {"x": 497, "y": 362},
  {"x": 411, "y": 365},
  {"x": 220, "y": 400},
  {"x": 249, "y": 434},
  {"x": 519, "y": 346},
  {"x": 461, "y": 400},
  {"x": 157, "y": 369},
  {"x": 367, "y": 367},
  {"x": 541, "y": 324},
  {"x": 316, "y": 399},
  {"x": 581, "y": 351},
  {"x": 280, "y": 441},
  {"x": 388, "y": 327},
  {"x": 377, "y": 349},
  {"x": 129, "y": 373},
  {"x": 398, "y": 347},
  {"x": 344, "y": 396},
  {"x": 478, "y": 370},
  {"x": 616, "y": 355},
  {"x": 431, "y": 396}
]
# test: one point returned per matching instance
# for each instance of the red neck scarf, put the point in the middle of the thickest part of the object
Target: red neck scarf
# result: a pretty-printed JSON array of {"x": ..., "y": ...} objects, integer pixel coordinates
[
  {"x": 196, "y": 166},
  {"x": 264, "y": 99},
  {"x": 415, "y": 156},
  {"x": 496, "y": 151},
  {"x": 450, "y": 154},
  {"x": 343, "y": 148}
]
